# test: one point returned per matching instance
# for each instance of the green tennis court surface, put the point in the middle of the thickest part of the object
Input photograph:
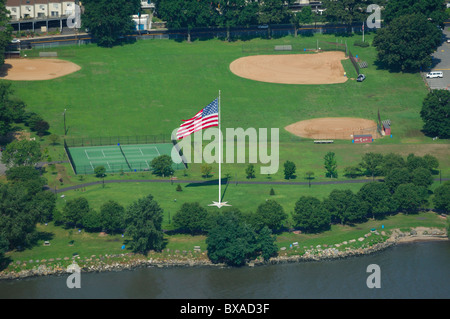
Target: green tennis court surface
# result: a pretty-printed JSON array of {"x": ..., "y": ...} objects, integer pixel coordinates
[{"x": 132, "y": 158}]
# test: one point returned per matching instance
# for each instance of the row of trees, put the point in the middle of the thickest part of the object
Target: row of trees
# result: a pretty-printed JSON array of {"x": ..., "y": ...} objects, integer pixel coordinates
[
  {"x": 411, "y": 34},
  {"x": 23, "y": 204}
]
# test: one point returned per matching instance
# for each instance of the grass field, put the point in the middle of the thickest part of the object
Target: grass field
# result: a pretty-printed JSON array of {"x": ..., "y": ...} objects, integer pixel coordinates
[{"x": 148, "y": 87}]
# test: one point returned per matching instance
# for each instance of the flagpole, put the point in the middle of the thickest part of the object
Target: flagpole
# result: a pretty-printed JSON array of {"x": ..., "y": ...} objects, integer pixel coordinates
[
  {"x": 220, "y": 203},
  {"x": 220, "y": 154}
]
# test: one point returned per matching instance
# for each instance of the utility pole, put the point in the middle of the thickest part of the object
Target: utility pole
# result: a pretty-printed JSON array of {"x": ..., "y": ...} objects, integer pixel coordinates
[{"x": 64, "y": 115}]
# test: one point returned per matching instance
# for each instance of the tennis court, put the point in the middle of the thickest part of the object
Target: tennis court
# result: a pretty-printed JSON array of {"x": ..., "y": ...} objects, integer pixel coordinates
[{"x": 117, "y": 158}]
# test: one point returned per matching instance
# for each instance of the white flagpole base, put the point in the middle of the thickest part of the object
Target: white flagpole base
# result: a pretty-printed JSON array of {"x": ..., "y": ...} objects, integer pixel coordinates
[{"x": 219, "y": 204}]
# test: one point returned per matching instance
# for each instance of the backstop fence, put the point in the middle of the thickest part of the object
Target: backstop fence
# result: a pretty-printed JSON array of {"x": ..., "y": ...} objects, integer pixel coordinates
[
  {"x": 292, "y": 47},
  {"x": 114, "y": 140}
]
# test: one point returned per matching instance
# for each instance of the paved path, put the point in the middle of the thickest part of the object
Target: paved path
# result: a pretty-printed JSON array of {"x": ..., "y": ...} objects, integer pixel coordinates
[{"x": 214, "y": 182}]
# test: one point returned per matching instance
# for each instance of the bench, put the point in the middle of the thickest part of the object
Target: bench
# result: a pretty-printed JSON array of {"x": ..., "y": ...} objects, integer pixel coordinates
[{"x": 323, "y": 141}]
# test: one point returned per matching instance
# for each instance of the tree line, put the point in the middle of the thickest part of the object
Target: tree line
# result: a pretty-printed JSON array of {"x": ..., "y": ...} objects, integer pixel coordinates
[{"x": 233, "y": 236}]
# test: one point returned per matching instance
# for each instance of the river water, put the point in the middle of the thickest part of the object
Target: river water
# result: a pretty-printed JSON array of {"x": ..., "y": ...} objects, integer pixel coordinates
[{"x": 410, "y": 271}]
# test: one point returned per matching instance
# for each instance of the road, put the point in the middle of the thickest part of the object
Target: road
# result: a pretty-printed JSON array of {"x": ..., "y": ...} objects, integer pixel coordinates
[
  {"x": 441, "y": 62},
  {"x": 212, "y": 182}
]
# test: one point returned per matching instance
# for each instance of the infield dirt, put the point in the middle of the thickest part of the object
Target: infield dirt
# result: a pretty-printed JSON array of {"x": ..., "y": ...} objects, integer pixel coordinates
[
  {"x": 315, "y": 68},
  {"x": 36, "y": 69},
  {"x": 333, "y": 128}
]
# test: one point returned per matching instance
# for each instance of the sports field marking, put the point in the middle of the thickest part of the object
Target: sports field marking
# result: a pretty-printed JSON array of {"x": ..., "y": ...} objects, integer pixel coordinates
[
  {"x": 141, "y": 151},
  {"x": 87, "y": 155},
  {"x": 103, "y": 153},
  {"x": 91, "y": 165},
  {"x": 108, "y": 164}
]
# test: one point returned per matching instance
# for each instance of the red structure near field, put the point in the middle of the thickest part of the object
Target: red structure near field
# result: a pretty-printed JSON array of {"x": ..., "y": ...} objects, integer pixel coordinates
[
  {"x": 387, "y": 127},
  {"x": 362, "y": 138}
]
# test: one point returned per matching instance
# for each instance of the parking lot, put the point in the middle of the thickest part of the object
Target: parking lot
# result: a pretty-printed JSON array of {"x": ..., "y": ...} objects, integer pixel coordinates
[{"x": 441, "y": 62}]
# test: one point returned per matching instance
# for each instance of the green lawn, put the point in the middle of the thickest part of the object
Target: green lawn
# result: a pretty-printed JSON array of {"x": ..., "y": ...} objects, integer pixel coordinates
[{"x": 148, "y": 87}]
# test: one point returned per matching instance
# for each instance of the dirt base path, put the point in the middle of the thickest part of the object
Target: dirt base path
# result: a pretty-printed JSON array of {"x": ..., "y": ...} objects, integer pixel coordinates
[
  {"x": 318, "y": 68},
  {"x": 36, "y": 69},
  {"x": 333, "y": 128}
]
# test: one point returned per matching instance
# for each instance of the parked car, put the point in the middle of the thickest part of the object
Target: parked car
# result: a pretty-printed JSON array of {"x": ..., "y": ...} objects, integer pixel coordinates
[
  {"x": 361, "y": 78},
  {"x": 15, "y": 40},
  {"x": 435, "y": 74},
  {"x": 448, "y": 40}
]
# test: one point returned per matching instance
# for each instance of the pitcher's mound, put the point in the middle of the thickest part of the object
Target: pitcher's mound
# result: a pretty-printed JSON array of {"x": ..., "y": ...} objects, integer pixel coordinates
[
  {"x": 36, "y": 69},
  {"x": 317, "y": 68},
  {"x": 340, "y": 128}
]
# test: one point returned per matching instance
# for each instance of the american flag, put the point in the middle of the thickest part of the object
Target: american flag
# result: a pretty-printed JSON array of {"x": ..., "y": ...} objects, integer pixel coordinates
[{"x": 207, "y": 117}]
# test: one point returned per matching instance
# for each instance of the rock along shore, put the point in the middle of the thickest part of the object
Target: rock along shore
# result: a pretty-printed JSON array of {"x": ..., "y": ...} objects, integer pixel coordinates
[{"x": 318, "y": 253}]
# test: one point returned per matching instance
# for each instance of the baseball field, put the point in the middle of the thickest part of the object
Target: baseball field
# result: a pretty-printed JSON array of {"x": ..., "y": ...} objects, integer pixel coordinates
[{"x": 147, "y": 88}]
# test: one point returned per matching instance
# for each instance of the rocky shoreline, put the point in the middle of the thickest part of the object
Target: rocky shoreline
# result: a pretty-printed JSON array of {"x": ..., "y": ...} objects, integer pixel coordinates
[{"x": 318, "y": 253}]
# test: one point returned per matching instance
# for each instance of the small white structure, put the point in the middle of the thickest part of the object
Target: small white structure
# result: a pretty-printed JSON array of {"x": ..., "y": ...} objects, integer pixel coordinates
[{"x": 143, "y": 22}]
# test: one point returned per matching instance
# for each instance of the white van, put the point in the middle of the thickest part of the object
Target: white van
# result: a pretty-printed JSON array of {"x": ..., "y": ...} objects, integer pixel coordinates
[{"x": 435, "y": 74}]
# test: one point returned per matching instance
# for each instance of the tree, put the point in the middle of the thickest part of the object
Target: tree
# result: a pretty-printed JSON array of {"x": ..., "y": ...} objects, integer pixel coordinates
[
  {"x": 352, "y": 171},
  {"x": 422, "y": 177},
  {"x": 206, "y": 169},
  {"x": 432, "y": 9},
  {"x": 330, "y": 164},
  {"x": 112, "y": 216},
  {"x": 233, "y": 13},
  {"x": 289, "y": 170},
  {"x": 162, "y": 165},
  {"x": 410, "y": 198},
  {"x": 42, "y": 205},
  {"x": 435, "y": 114},
  {"x": 345, "y": 11},
  {"x": 345, "y": 207},
  {"x": 143, "y": 220},
  {"x": 19, "y": 153},
  {"x": 41, "y": 127},
  {"x": 391, "y": 161},
  {"x": 11, "y": 110},
  {"x": 109, "y": 20},
  {"x": 54, "y": 139},
  {"x": 100, "y": 171},
  {"x": 273, "y": 12},
  {"x": 407, "y": 43},
  {"x": 371, "y": 162},
  {"x": 18, "y": 218},
  {"x": 270, "y": 214},
  {"x": 5, "y": 33},
  {"x": 74, "y": 210},
  {"x": 91, "y": 221},
  {"x": 192, "y": 218},
  {"x": 413, "y": 162},
  {"x": 187, "y": 14},
  {"x": 432, "y": 162},
  {"x": 266, "y": 243},
  {"x": 250, "y": 171},
  {"x": 441, "y": 198},
  {"x": 231, "y": 241},
  {"x": 311, "y": 215},
  {"x": 396, "y": 177},
  {"x": 379, "y": 198}
]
